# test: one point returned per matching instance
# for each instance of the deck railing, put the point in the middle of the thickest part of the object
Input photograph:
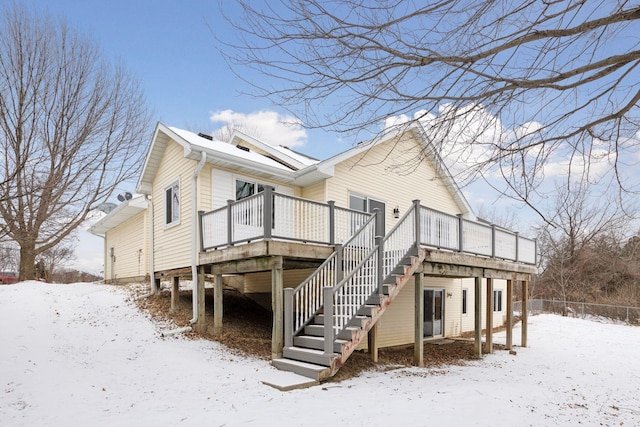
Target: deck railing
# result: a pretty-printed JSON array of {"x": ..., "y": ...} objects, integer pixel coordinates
[
  {"x": 271, "y": 215},
  {"x": 453, "y": 232}
]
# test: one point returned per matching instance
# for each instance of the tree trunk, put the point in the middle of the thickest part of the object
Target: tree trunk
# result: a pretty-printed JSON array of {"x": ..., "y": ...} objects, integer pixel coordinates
[{"x": 27, "y": 262}]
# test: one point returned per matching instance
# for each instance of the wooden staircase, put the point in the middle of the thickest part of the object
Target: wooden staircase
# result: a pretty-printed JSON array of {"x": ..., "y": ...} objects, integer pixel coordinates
[{"x": 308, "y": 355}]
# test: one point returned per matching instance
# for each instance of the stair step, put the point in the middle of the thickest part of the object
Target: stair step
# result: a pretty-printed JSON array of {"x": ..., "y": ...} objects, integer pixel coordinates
[
  {"x": 309, "y": 370},
  {"x": 317, "y": 357},
  {"x": 314, "y": 330},
  {"x": 368, "y": 310},
  {"x": 376, "y": 299},
  {"x": 347, "y": 333},
  {"x": 359, "y": 320},
  {"x": 309, "y": 341}
]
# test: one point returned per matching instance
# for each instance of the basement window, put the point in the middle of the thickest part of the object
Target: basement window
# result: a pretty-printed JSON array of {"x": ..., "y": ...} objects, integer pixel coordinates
[
  {"x": 464, "y": 301},
  {"x": 497, "y": 300}
]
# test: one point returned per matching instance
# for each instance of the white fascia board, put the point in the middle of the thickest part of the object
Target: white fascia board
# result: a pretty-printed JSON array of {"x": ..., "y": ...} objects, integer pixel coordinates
[
  {"x": 233, "y": 162},
  {"x": 312, "y": 174},
  {"x": 152, "y": 161},
  {"x": 141, "y": 184}
]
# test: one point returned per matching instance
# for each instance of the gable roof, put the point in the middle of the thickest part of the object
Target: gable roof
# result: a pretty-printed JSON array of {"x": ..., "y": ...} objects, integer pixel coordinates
[
  {"x": 218, "y": 153},
  {"x": 285, "y": 155},
  {"x": 278, "y": 163},
  {"x": 325, "y": 168}
]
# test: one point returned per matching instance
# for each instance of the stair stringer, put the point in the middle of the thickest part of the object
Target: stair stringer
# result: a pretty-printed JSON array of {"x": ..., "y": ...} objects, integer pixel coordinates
[{"x": 386, "y": 300}]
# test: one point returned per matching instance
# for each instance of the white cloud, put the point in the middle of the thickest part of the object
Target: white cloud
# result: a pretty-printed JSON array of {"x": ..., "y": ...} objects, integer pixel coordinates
[{"x": 265, "y": 125}]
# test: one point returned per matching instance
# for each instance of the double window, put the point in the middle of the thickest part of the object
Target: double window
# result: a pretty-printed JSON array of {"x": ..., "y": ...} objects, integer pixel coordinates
[
  {"x": 172, "y": 203},
  {"x": 246, "y": 189}
]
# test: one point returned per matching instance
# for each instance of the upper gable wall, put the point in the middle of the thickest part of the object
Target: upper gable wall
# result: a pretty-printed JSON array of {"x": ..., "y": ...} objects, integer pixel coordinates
[
  {"x": 172, "y": 244},
  {"x": 390, "y": 172}
]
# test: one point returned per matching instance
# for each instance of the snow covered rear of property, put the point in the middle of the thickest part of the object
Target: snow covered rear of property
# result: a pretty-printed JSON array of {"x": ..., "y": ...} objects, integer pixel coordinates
[{"x": 82, "y": 354}]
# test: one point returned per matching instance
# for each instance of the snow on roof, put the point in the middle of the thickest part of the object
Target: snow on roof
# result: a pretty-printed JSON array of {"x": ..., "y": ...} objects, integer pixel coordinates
[
  {"x": 226, "y": 148},
  {"x": 302, "y": 158}
]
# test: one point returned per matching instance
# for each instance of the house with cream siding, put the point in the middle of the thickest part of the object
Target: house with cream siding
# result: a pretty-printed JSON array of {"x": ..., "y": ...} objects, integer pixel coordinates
[{"x": 373, "y": 247}]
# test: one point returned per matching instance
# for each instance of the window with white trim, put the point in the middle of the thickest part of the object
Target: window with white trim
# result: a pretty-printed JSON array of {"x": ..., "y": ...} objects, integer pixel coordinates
[
  {"x": 367, "y": 204},
  {"x": 497, "y": 300},
  {"x": 172, "y": 203},
  {"x": 246, "y": 188}
]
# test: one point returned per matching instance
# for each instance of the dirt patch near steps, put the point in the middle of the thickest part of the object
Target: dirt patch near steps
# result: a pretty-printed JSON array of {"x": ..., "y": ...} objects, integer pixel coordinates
[{"x": 247, "y": 331}]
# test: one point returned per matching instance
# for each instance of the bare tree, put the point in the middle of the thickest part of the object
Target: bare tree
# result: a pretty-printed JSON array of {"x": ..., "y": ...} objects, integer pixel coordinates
[
  {"x": 520, "y": 83},
  {"x": 580, "y": 257},
  {"x": 71, "y": 130},
  {"x": 54, "y": 258},
  {"x": 8, "y": 256}
]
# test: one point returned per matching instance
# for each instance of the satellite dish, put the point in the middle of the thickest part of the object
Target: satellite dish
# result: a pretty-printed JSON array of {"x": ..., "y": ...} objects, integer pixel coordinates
[
  {"x": 125, "y": 196},
  {"x": 107, "y": 207}
]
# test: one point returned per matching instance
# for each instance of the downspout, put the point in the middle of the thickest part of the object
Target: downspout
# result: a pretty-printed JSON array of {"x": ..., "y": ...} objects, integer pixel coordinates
[
  {"x": 151, "y": 249},
  {"x": 194, "y": 235}
]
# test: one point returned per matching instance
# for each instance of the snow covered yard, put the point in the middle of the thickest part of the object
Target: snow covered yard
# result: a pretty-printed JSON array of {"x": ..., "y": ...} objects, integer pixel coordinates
[{"x": 82, "y": 354}]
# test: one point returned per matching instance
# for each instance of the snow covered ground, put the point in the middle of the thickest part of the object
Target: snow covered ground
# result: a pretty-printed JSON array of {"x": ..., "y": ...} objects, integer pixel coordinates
[{"x": 82, "y": 354}]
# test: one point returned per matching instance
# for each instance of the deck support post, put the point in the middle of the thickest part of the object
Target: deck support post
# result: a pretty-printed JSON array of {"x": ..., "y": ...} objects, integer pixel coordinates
[
  {"x": 488, "y": 348},
  {"x": 509, "y": 343},
  {"x": 477, "y": 348},
  {"x": 373, "y": 342},
  {"x": 418, "y": 347},
  {"x": 217, "y": 304},
  {"x": 201, "y": 324},
  {"x": 277, "y": 305},
  {"x": 525, "y": 311},
  {"x": 288, "y": 317},
  {"x": 175, "y": 294},
  {"x": 156, "y": 290}
]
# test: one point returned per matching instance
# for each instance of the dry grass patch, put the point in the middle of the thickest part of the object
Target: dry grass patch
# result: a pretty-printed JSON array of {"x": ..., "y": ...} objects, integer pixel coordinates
[{"x": 247, "y": 331}]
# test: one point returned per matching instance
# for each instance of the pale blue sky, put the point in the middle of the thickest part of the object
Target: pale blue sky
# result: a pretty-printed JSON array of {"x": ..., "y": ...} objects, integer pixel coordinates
[{"x": 169, "y": 46}]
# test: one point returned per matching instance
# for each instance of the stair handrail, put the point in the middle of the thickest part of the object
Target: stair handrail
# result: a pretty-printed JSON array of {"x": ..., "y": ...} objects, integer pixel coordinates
[
  {"x": 367, "y": 278},
  {"x": 304, "y": 301},
  {"x": 335, "y": 321},
  {"x": 397, "y": 243}
]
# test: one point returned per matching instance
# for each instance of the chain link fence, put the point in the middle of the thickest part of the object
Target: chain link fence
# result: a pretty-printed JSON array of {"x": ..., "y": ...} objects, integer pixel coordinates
[{"x": 618, "y": 313}]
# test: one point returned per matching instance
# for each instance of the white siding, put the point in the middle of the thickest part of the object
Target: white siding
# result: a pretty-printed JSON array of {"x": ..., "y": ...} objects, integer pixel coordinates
[
  {"x": 315, "y": 192},
  {"x": 261, "y": 282},
  {"x": 173, "y": 244},
  {"x": 397, "y": 325},
  {"x": 222, "y": 184},
  {"x": 499, "y": 317},
  {"x": 390, "y": 172},
  {"x": 130, "y": 248}
]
